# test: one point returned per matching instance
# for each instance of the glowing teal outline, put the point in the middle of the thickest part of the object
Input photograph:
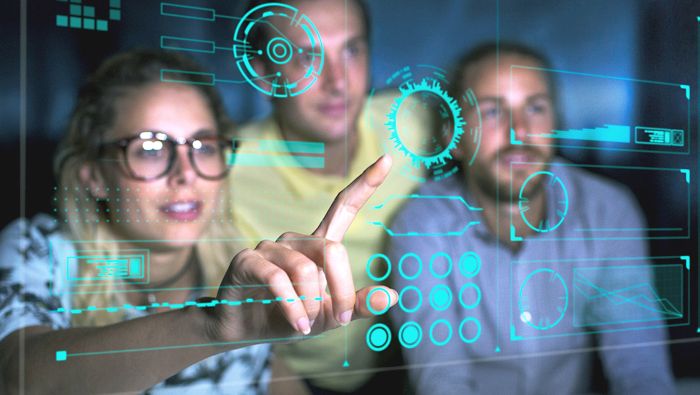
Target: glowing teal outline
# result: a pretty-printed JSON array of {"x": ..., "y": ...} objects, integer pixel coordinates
[
  {"x": 522, "y": 199},
  {"x": 402, "y": 331},
  {"x": 420, "y": 266},
  {"x": 369, "y": 272},
  {"x": 541, "y": 237},
  {"x": 288, "y": 52},
  {"x": 420, "y": 299},
  {"x": 372, "y": 329},
  {"x": 461, "y": 292},
  {"x": 428, "y": 85},
  {"x": 566, "y": 298},
  {"x": 449, "y": 267},
  {"x": 449, "y": 336},
  {"x": 369, "y": 298},
  {"x": 685, "y": 87},
  {"x": 478, "y": 265},
  {"x": 432, "y": 296},
  {"x": 241, "y": 52},
  {"x": 478, "y": 332}
]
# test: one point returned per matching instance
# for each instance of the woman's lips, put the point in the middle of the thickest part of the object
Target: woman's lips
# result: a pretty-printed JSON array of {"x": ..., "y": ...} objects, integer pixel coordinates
[{"x": 188, "y": 210}]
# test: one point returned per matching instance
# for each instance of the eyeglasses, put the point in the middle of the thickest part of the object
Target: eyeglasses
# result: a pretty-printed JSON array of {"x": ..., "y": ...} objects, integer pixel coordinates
[{"x": 151, "y": 155}]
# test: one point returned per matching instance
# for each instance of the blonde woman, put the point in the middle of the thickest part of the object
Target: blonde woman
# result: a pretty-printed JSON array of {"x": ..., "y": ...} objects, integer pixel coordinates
[{"x": 140, "y": 180}]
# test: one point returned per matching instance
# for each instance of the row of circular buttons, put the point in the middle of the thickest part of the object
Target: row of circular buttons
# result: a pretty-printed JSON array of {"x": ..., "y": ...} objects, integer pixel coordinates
[
  {"x": 411, "y": 334},
  {"x": 469, "y": 265}
]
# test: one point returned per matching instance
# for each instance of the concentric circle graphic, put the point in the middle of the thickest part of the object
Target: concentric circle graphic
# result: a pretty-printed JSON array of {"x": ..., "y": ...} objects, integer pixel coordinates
[
  {"x": 410, "y": 334},
  {"x": 307, "y": 55},
  {"x": 378, "y": 337}
]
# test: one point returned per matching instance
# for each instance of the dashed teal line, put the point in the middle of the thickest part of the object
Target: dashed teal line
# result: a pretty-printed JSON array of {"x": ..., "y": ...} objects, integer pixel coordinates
[{"x": 175, "y": 306}]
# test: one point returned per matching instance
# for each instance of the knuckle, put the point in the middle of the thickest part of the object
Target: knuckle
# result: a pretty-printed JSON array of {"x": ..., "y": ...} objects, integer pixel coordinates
[
  {"x": 305, "y": 269},
  {"x": 265, "y": 244},
  {"x": 275, "y": 276}
]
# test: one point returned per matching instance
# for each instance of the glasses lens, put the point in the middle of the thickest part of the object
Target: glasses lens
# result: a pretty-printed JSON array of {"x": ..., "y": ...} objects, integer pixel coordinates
[
  {"x": 148, "y": 157},
  {"x": 208, "y": 157}
]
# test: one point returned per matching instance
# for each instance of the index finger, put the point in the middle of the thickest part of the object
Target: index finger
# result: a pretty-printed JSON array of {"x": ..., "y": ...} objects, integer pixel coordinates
[{"x": 351, "y": 199}]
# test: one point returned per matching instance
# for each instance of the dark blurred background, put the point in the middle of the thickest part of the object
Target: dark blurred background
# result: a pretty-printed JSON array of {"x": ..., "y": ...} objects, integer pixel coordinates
[{"x": 641, "y": 39}]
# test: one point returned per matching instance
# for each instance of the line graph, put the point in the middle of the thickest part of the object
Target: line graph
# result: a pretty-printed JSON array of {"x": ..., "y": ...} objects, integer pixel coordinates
[{"x": 621, "y": 295}]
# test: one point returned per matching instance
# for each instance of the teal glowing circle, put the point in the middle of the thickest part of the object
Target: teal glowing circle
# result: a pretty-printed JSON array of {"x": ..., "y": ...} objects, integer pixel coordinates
[
  {"x": 368, "y": 269},
  {"x": 432, "y": 265},
  {"x": 536, "y": 312},
  {"x": 440, "y": 297},
  {"x": 426, "y": 87},
  {"x": 469, "y": 264},
  {"x": 468, "y": 287},
  {"x": 369, "y": 297},
  {"x": 556, "y": 190},
  {"x": 463, "y": 324},
  {"x": 420, "y": 266},
  {"x": 279, "y": 50},
  {"x": 432, "y": 332},
  {"x": 402, "y": 303},
  {"x": 410, "y": 334},
  {"x": 378, "y": 337}
]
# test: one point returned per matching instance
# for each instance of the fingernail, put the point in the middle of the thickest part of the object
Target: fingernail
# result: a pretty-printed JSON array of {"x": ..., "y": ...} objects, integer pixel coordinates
[
  {"x": 345, "y": 317},
  {"x": 303, "y": 325},
  {"x": 311, "y": 324},
  {"x": 395, "y": 297}
]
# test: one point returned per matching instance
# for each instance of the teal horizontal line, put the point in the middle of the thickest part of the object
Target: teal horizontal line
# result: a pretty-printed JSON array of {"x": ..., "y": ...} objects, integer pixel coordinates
[
  {"x": 606, "y": 134},
  {"x": 258, "y": 160},
  {"x": 286, "y": 147},
  {"x": 627, "y": 229},
  {"x": 175, "y": 306},
  {"x": 449, "y": 233},
  {"x": 188, "y": 12},
  {"x": 280, "y": 339},
  {"x": 207, "y": 78},
  {"x": 597, "y": 75},
  {"x": 187, "y": 44}
]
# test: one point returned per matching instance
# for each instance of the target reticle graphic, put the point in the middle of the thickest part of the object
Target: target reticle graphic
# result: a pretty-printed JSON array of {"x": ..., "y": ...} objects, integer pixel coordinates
[
  {"x": 423, "y": 94},
  {"x": 306, "y": 55}
]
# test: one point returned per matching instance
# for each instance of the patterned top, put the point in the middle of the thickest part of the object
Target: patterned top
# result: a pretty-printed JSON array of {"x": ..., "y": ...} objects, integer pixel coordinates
[{"x": 31, "y": 295}]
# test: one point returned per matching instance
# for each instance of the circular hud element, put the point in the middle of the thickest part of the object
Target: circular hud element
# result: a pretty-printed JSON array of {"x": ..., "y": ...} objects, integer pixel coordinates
[{"x": 258, "y": 39}]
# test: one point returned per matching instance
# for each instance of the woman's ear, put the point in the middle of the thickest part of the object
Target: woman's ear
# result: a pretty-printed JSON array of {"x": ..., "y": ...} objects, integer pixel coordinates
[{"x": 92, "y": 178}]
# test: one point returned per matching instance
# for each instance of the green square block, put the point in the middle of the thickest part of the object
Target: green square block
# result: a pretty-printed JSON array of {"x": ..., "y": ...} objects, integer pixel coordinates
[
  {"x": 61, "y": 355},
  {"x": 75, "y": 22},
  {"x": 76, "y": 10},
  {"x": 115, "y": 3},
  {"x": 102, "y": 25},
  {"x": 89, "y": 11},
  {"x": 62, "y": 20},
  {"x": 115, "y": 15},
  {"x": 89, "y": 24},
  {"x": 76, "y": 1}
]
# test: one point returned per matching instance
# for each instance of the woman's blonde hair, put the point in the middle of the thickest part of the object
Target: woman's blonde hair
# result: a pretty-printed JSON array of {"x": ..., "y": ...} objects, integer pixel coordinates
[{"x": 86, "y": 218}]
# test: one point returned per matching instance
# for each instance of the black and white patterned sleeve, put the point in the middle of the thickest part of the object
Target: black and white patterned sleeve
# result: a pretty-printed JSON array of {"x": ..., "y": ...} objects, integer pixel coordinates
[{"x": 27, "y": 294}]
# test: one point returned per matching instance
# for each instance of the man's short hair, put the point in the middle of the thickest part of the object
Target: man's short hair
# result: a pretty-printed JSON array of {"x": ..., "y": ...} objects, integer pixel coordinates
[{"x": 257, "y": 38}]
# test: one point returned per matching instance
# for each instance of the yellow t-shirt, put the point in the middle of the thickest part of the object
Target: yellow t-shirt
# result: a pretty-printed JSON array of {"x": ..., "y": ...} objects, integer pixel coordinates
[{"x": 268, "y": 201}]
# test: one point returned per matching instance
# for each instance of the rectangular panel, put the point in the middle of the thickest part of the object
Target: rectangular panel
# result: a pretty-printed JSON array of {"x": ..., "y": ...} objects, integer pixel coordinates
[
  {"x": 610, "y": 130},
  {"x": 563, "y": 182},
  {"x": 572, "y": 297}
]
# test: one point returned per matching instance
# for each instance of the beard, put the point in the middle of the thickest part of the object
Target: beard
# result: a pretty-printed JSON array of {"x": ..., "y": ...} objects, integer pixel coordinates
[{"x": 489, "y": 178}]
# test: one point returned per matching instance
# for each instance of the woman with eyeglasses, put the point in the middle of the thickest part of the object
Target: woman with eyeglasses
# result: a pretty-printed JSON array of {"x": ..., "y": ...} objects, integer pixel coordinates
[{"x": 137, "y": 282}]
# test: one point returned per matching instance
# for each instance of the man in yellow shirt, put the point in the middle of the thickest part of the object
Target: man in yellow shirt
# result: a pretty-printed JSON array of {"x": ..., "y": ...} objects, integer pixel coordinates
[{"x": 341, "y": 132}]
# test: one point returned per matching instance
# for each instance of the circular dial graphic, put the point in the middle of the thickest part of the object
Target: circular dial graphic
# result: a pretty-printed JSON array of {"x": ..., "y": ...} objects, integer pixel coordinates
[
  {"x": 296, "y": 64},
  {"x": 555, "y": 190},
  {"x": 543, "y": 299}
]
